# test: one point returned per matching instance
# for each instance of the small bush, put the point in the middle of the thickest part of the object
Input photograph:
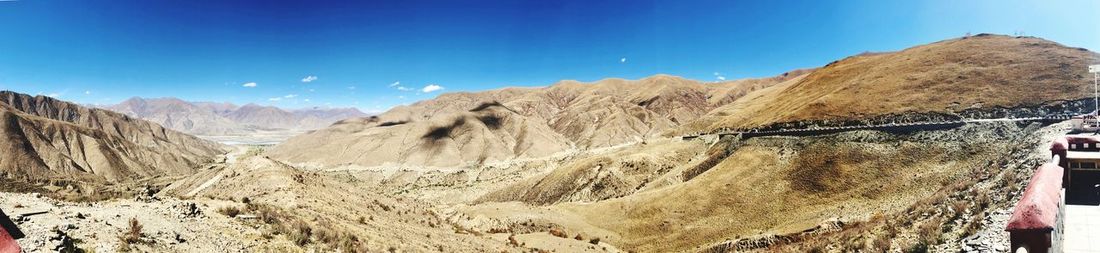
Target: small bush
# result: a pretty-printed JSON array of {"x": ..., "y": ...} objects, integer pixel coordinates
[
  {"x": 558, "y": 233},
  {"x": 230, "y": 211},
  {"x": 133, "y": 234},
  {"x": 579, "y": 237},
  {"x": 300, "y": 233},
  {"x": 512, "y": 240},
  {"x": 594, "y": 241},
  {"x": 930, "y": 231},
  {"x": 325, "y": 235},
  {"x": 919, "y": 247},
  {"x": 882, "y": 244}
]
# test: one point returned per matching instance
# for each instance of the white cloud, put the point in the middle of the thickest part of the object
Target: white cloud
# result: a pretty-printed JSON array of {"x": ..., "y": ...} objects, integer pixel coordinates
[
  {"x": 395, "y": 84},
  {"x": 275, "y": 99},
  {"x": 622, "y": 60},
  {"x": 312, "y": 90},
  {"x": 351, "y": 87},
  {"x": 87, "y": 92},
  {"x": 309, "y": 79},
  {"x": 403, "y": 88},
  {"x": 430, "y": 88},
  {"x": 249, "y": 84},
  {"x": 54, "y": 95},
  {"x": 291, "y": 96},
  {"x": 721, "y": 78},
  {"x": 401, "y": 97},
  {"x": 305, "y": 100}
]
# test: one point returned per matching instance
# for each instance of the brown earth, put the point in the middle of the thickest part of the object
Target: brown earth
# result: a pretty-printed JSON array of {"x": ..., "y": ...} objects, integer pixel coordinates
[
  {"x": 517, "y": 122},
  {"x": 980, "y": 71},
  {"x": 48, "y": 139}
]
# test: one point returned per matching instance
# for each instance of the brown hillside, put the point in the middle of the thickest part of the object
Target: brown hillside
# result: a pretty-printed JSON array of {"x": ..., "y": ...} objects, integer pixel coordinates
[
  {"x": 451, "y": 129},
  {"x": 948, "y": 76},
  {"x": 49, "y": 139}
]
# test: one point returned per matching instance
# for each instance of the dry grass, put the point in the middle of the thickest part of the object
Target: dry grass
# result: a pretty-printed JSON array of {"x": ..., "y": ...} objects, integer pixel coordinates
[
  {"x": 946, "y": 76},
  {"x": 230, "y": 211}
]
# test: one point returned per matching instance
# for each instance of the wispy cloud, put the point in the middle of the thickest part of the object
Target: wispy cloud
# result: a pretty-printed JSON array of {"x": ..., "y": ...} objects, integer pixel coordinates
[
  {"x": 719, "y": 76},
  {"x": 309, "y": 79},
  {"x": 87, "y": 92},
  {"x": 395, "y": 84},
  {"x": 403, "y": 88},
  {"x": 351, "y": 87},
  {"x": 622, "y": 60},
  {"x": 430, "y": 88},
  {"x": 275, "y": 99},
  {"x": 249, "y": 84},
  {"x": 291, "y": 96}
]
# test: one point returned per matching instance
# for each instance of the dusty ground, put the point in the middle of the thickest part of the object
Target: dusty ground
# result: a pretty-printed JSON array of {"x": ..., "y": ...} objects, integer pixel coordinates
[
  {"x": 768, "y": 186},
  {"x": 168, "y": 225}
]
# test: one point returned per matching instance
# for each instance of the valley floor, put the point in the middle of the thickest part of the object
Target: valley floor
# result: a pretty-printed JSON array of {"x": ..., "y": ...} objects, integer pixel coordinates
[{"x": 870, "y": 190}]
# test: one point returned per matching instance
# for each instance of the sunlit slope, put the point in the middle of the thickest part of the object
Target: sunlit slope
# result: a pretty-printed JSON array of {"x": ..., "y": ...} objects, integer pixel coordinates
[
  {"x": 509, "y": 123},
  {"x": 949, "y": 76}
]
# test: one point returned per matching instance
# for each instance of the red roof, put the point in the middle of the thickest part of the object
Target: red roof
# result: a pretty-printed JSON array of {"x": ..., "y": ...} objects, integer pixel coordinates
[
  {"x": 1038, "y": 208},
  {"x": 1060, "y": 144}
]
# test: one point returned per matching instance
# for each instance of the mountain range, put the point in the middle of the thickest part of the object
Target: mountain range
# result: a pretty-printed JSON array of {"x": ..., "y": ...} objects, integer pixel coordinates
[
  {"x": 49, "y": 139},
  {"x": 943, "y": 77},
  {"x": 209, "y": 118}
]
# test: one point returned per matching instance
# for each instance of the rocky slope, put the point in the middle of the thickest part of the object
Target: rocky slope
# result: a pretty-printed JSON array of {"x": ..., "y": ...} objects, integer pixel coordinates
[
  {"x": 49, "y": 139},
  {"x": 207, "y": 118},
  {"x": 518, "y": 122}
]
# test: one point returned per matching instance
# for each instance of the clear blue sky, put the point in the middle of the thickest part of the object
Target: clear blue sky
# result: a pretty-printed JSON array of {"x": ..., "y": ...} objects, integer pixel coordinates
[{"x": 107, "y": 51}]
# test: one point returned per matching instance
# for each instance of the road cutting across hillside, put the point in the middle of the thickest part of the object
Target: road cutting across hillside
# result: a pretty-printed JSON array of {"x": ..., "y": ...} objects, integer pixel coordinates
[{"x": 890, "y": 127}]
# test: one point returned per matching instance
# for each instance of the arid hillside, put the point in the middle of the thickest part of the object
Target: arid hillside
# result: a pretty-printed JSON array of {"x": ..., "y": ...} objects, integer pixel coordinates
[
  {"x": 950, "y": 76},
  {"x": 48, "y": 139},
  {"x": 517, "y": 122},
  {"x": 206, "y": 118}
]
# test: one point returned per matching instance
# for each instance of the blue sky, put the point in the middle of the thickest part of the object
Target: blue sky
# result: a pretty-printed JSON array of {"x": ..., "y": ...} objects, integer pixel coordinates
[{"x": 107, "y": 51}]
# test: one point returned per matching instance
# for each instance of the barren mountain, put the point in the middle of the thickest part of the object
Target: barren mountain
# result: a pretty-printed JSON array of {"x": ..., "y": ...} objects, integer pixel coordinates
[
  {"x": 208, "y": 118},
  {"x": 976, "y": 72},
  {"x": 49, "y": 139},
  {"x": 180, "y": 115},
  {"x": 517, "y": 122}
]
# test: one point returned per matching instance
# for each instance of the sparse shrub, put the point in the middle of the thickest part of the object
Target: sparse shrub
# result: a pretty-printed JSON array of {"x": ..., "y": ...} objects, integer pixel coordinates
[
  {"x": 882, "y": 244},
  {"x": 300, "y": 233},
  {"x": 132, "y": 234},
  {"x": 362, "y": 220},
  {"x": 930, "y": 231},
  {"x": 325, "y": 235},
  {"x": 512, "y": 240},
  {"x": 919, "y": 247},
  {"x": 594, "y": 241},
  {"x": 982, "y": 200},
  {"x": 558, "y": 232},
  {"x": 384, "y": 207},
  {"x": 958, "y": 207},
  {"x": 579, "y": 237},
  {"x": 230, "y": 211}
]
